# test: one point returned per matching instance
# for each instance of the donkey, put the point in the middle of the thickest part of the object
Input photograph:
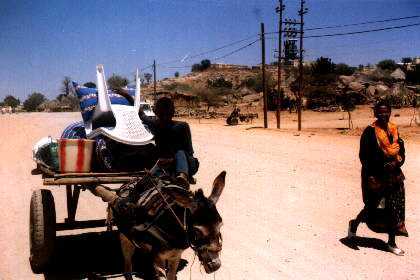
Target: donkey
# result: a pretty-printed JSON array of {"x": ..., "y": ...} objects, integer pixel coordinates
[{"x": 190, "y": 220}]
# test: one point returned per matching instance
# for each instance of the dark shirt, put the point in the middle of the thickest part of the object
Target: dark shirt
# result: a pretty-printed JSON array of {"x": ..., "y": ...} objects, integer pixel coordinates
[
  {"x": 169, "y": 139},
  {"x": 371, "y": 155}
]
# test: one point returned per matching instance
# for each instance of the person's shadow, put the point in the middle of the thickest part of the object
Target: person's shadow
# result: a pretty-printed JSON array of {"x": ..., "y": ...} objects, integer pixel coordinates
[
  {"x": 366, "y": 242},
  {"x": 95, "y": 255}
]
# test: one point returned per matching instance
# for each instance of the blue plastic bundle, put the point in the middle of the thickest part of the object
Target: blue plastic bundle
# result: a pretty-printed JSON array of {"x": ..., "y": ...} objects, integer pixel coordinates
[{"x": 88, "y": 99}]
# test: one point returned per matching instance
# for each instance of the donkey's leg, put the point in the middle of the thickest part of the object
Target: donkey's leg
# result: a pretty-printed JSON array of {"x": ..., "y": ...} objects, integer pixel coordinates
[
  {"x": 128, "y": 249},
  {"x": 173, "y": 263},
  {"x": 106, "y": 195},
  {"x": 171, "y": 257},
  {"x": 159, "y": 268}
]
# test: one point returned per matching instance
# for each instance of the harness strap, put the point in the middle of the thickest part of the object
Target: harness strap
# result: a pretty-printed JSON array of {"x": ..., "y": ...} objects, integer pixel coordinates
[{"x": 170, "y": 208}]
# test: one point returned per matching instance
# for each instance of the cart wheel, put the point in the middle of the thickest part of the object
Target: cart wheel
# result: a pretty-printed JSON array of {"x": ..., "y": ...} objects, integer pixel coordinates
[{"x": 41, "y": 229}]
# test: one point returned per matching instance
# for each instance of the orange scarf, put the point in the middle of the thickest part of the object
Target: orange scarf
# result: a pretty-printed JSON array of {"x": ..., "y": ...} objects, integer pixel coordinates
[{"x": 389, "y": 149}]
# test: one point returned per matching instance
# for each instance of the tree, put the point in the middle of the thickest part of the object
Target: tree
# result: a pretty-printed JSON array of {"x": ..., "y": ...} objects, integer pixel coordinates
[
  {"x": 148, "y": 77},
  {"x": 117, "y": 81},
  {"x": 90, "y": 85},
  {"x": 219, "y": 82},
  {"x": 322, "y": 66},
  {"x": 413, "y": 76},
  {"x": 60, "y": 97},
  {"x": 205, "y": 64},
  {"x": 256, "y": 83},
  {"x": 66, "y": 86},
  {"x": 406, "y": 60},
  {"x": 348, "y": 104},
  {"x": 344, "y": 69},
  {"x": 209, "y": 96},
  {"x": 11, "y": 101},
  {"x": 387, "y": 64},
  {"x": 176, "y": 74},
  {"x": 33, "y": 101}
]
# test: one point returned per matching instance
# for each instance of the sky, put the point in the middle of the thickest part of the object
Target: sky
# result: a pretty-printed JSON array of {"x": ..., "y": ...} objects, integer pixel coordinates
[{"x": 43, "y": 41}]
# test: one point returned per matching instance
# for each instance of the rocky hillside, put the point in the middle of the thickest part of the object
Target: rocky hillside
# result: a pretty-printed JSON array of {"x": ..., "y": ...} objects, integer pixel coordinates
[
  {"x": 227, "y": 88},
  {"x": 377, "y": 83}
]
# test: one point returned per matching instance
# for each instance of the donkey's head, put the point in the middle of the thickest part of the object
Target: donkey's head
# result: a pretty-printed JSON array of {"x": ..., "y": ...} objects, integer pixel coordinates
[{"x": 204, "y": 224}]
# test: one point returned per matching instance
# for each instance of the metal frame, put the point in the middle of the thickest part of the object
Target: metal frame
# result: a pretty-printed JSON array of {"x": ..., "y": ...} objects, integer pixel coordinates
[{"x": 75, "y": 182}]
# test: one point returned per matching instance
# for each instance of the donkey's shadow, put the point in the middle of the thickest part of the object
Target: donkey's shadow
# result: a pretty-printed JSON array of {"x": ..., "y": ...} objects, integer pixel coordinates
[
  {"x": 95, "y": 255},
  {"x": 366, "y": 242}
]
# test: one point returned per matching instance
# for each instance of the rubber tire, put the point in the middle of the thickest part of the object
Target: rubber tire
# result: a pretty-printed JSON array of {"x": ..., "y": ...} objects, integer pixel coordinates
[{"x": 41, "y": 229}]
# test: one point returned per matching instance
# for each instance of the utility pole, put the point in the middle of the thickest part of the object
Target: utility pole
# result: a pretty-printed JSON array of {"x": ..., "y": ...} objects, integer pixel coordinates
[
  {"x": 279, "y": 10},
  {"x": 301, "y": 12},
  {"x": 263, "y": 74},
  {"x": 154, "y": 79}
]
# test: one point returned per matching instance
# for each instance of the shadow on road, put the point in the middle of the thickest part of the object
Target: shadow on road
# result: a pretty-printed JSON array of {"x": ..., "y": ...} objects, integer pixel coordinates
[
  {"x": 91, "y": 255},
  {"x": 366, "y": 242}
]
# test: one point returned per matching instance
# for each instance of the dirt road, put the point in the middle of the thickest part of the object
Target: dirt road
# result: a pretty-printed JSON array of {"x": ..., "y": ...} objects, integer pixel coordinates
[{"x": 286, "y": 205}]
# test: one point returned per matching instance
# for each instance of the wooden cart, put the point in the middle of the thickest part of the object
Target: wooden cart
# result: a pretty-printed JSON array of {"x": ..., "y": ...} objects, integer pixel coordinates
[{"x": 43, "y": 225}]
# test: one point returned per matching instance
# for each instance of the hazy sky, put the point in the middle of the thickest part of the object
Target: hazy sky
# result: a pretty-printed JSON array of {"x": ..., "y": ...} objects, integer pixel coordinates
[{"x": 43, "y": 41}]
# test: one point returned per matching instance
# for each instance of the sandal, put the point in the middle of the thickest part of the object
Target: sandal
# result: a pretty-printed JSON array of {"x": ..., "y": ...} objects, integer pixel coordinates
[{"x": 395, "y": 250}]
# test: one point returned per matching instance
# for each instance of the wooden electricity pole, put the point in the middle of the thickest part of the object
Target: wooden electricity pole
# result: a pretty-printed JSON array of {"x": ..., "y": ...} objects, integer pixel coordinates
[
  {"x": 279, "y": 10},
  {"x": 302, "y": 11},
  {"x": 263, "y": 74},
  {"x": 154, "y": 79}
]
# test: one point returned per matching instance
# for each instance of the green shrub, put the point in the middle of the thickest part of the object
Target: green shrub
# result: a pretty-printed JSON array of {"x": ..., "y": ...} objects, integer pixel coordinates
[
  {"x": 219, "y": 82},
  {"x": 344, "y": 69},
  {"x": 203, "y": 65},
  {"x": 321, "y": 97},
  {"x": 177, "y": 87},
  {"x": 255, "y": 82},
  {"x": 387, "y": 64}
]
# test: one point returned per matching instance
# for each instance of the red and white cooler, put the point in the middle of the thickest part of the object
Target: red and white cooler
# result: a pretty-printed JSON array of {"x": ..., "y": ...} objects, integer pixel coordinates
[{"x": 75, "y": 155}]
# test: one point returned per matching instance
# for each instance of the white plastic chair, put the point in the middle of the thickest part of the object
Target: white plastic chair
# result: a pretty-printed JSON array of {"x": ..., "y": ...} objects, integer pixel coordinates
[{"x": 128, "y": 129}]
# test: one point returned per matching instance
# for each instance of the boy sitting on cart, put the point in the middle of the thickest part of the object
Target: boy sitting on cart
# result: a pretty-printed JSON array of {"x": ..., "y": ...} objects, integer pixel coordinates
[
  {"x": 172, "y": 139},
  {"x": 173, "y": 142}
]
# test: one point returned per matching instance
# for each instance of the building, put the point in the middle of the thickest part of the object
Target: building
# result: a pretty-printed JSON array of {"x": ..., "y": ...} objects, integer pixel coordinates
[
  {"x": 410, "y": 66},
  {"x": 221, "y": 66},
  {"x": 6, "y": 109}
]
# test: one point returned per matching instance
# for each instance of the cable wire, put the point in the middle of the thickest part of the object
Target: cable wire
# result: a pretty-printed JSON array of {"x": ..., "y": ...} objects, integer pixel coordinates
[
  {"x": 360, "y": 23},
  {"x": 363, "y": 31},
  {"x": 217, "y": 58},
  {"x": 237, "y": 50},
  {"x": 211, "y": 50}
]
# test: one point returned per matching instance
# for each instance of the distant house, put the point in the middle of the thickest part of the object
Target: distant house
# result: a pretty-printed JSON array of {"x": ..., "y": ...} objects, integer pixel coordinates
[
  {"x": 6, "y": 109},
  {"x": 410, "y": 65},
  {"x": 221, "y": 66}
]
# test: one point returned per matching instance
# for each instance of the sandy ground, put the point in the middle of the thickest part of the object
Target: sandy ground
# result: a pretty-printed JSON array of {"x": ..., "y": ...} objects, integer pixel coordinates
[{"x": 285, "y": 207}]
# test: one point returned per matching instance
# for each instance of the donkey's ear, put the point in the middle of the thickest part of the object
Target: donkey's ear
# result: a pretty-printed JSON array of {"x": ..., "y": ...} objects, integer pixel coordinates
[
  {"x": 218, "y": 185},
  {"x": 181, "y": 196}
]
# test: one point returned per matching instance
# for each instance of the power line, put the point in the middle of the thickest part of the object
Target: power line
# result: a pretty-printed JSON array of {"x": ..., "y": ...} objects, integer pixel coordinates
[
  {"x": 223, "y": 56},
  {"x": 147, "y": 67},
  {"x": 311, "y": 36},
  {"x": 178, "y": 67},
  {"x": 363, "y": 31},
  {"x": 356, "y": 32},
  {"x": 237, "y": 50},
  {"x": 354, "y": 24},
  {"x": 360, "y": 23},
  {"x": 210, "y": 51}
]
